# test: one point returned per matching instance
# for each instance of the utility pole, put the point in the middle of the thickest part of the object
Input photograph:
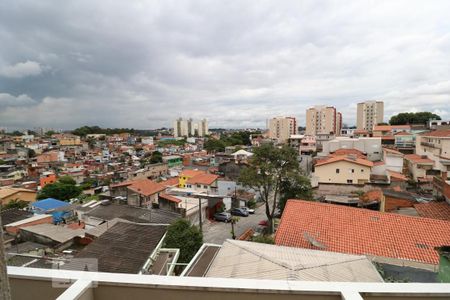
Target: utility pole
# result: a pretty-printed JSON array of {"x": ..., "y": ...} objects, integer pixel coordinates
[
  {"x": 5, "y": 292},
  {"x": 200, "y": 214}
]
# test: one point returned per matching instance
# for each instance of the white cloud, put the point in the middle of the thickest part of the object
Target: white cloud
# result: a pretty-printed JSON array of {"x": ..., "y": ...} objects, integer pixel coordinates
[
  {"x": 21, "y": 69},
  {"x": 8, "y": 100}
]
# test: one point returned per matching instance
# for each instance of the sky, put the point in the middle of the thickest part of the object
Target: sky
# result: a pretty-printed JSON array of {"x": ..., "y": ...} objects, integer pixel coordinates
[{"x": 142, "y": 64}]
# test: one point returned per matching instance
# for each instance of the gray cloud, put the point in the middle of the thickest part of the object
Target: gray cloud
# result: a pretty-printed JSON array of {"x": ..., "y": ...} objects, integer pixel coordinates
[{"x": 144, "y": 63}]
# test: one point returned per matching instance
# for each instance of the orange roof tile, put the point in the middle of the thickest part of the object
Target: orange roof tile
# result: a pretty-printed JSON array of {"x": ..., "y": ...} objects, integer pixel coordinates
[
  {"x": 334, "y": 159},
  {"x": 169, "y": 198},
  {"x": 388, "y": 137},
  {"x": 340, "y": 152},
  {"x": 392, "y": 151},
  {"x": 206, "y": 179},
  {"x": 434, "y": 210},
  {"x": 361, "y": 231},
  {"x": 145, "y": 187},
  {"x": 170, "y": 182},
  {"x": 396, "y": 176},
  {"x": 438, "y": 133},
  {"x": 382, "y": 128},
  {"x": 418, "y": 159},
  {"x": 191, "y": 173}
]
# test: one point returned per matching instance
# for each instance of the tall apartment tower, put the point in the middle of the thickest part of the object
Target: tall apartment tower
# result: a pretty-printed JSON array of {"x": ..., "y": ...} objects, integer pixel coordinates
[
  {"x": 203, "y": 127},
  {"x": 369, "y": 114},
  {"x": 323, "y": 119},
  {"x": 281, "y": 128},
  {"x": 187, "y": 128}
]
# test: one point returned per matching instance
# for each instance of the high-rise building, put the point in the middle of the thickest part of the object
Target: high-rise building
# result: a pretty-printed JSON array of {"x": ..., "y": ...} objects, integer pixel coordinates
[
  {"x": 323, "y": 119},
  {"x": 187, "y": 128},
  {"x": 281, "y": 128},
  {"x": 369, "y": 114}
]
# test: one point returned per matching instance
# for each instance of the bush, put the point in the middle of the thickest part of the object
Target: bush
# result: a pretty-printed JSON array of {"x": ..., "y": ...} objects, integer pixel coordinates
[
  {"x": 265, "y": 239},
  {"x": 184, "y": 236}
]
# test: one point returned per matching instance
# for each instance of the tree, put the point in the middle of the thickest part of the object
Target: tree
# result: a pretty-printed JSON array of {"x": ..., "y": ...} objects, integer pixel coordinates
[
  {"x": 269, "y": 168},
  {"x": 265, "y": 239},
  {"x": 67, "y": 180},
  {"x": 184, "y": 236},
  {"x": 156, "y": 157},
  {"x": 60, "y": 191},
  {"x": 413, "y": 118},
  {"x": 213, "y": 145},
  {"x": 16, "y": 203},
  {"x": 296, "y": 187}
]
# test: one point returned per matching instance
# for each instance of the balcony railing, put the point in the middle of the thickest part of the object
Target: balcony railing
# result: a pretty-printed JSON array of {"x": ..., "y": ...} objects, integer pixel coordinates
[
  {"x": 427, "y": 144},
  {"x": 40, "y": 284}
]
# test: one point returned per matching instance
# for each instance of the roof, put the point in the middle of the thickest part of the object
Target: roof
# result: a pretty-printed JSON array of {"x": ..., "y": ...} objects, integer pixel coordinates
[
  {"x": 382, "y": 128},
  {"x": 170, "y": 198},
  {"x": 418, "y": 159},
  {"x": 241, "y": 259},
  {"x": 144, "y": 186},
  {"x": 170, "y": 182},
  {"x": 49, "y": 204},
  {"x": 403, "y": 133},
  {"x": 123, "y": 248},
  {"x": 438, "y": 133},
  {"x": 396, "y": 176},
  {"x": 361, "y": 231},
  {"x": 434, "y": 210},
  {"x": 334, "y": 159},
  {"x": 13, "y": 215},
  {"x": 7, "y": 191},
  {"x": 206, "y": 179},
  {"x": 201, "y": 262},
  {"x": 243, "y": 152},
  {"x": 392, "y": 151},
  {"x": 29, "y": 220},
  {"x": 56, "y": 233},
  {"x": 133, "y": 214},
  {"x": 191, "y": 173},
  {"x": 340, "y": 152}
]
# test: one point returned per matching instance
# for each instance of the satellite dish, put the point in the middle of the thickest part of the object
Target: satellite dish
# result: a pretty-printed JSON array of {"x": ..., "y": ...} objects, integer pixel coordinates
[{"x": 313, "y": 241}]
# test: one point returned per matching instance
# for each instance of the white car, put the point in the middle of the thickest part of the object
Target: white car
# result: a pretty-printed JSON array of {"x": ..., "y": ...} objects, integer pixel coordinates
[{"x": 249, "y": 210}]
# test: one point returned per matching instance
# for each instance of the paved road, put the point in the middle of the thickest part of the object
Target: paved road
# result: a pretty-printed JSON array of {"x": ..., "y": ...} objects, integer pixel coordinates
[{"x": 218, "y": 232}]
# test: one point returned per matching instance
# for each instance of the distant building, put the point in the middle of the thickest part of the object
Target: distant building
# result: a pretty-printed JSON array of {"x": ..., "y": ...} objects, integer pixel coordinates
[
  {"x": 369, "y": 114},
  {"x": 188, "y": 127},
  {"x": 323, "y": 120},
  {"x": 281, "y": 128}
]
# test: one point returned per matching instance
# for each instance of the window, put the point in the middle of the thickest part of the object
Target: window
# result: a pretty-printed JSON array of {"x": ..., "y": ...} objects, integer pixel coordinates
[
  {"x": 362, "y": 170},
  {"x": 349, "y": 180},
  {"x": 199, "y": 185},
  {"x": 337, "y": 171},
  {"x": 352, "y": 171}
]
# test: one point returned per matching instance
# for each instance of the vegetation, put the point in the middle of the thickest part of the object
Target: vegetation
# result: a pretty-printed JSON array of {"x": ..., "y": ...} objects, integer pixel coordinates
[
  {"x": 413, "y": 118},
  {"x": 15, "y": 204},
  {"x": 296, "y": 187},
  {"x": 64, "y": 189},
  {"x": 184, "y": 236},
  {"x": 172, "y": 142},
  {"x": 273, "y": 171},
  {"x": 85, "y": 130},
  {"x": 156, "y": 157},
  {"x": 265, "y": 239},
  {"x": 232, "y": 139}
]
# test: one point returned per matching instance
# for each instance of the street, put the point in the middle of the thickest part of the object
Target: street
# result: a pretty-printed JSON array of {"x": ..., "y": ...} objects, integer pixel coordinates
[{"x": 217, "y": 232}]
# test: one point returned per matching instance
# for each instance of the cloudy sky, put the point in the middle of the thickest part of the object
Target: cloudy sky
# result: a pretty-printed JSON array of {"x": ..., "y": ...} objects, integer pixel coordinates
[{"x": 142, "y": 64}]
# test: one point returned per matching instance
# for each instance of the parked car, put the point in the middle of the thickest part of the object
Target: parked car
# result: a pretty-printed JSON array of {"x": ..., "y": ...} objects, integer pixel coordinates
[
  {"x": 249, "y": 210},
  {"x": 222, "y": 217},
  {"x": 239, "y": 212}
]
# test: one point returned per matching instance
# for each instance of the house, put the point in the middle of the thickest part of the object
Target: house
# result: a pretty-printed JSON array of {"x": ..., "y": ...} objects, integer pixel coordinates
[
  {"x": 13, "y": 228},
  {"x": 436, "y": 146},
  {"x": 186, "y": 175},
  {"x": 173, "y": 160},
  {"x": 371, "y": 147},
  {"x": 47, "y": 178},
  {"x": 405, "y": 141},
  {"x": 343, "y": 169},
  {"x": 419, "y": 167},
  {"x": 7, "y": 194},
  {"x": 264, "y": 261},
  {"x": 386, "y": 237},
  {"x": 123, "y": 248},
  {"x": 206, "y": 183},
  {"x": 55, "y": 236},
  {"x": 393, "y": 160},
  {"x": 139, "y": 192},
  {"x": 60, "y": 210}
]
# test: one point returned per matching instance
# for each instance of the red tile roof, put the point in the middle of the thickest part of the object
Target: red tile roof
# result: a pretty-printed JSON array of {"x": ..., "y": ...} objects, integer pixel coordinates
[
  {"x": 396, "y": 176},
  {"x": 169, "y": 198},
  {"x": 418, "y": 159},
  {"x": 434, "y": 210},
  {"x": 382, "y": 128},
  {"x": 170, "y": 182},
  {"x": 389, "y": 150},
  {"x": 361, "y": 231},
  {"x": 340, "y": 152},
  {"x": 334, "y": 159},
  {"x": 438, "y": 133},
  {"x": 191, "y": 173},
  {"x": 206, "y": 179},
  {"x": 145, "y": 187}
]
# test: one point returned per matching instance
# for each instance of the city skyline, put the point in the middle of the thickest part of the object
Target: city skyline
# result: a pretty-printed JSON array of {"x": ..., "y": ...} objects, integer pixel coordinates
[{"x": 142, "y": 65}]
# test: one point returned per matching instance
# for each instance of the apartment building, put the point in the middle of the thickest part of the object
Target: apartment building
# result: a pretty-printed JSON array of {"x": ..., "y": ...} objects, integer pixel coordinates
[
  {"x": 281, "y": 128},
  {"x": 369, "y": 114},
  {"x": 188, "y": 127},
  {"x": 323, "y": 120},
  {"x": 435, "y": 145}
]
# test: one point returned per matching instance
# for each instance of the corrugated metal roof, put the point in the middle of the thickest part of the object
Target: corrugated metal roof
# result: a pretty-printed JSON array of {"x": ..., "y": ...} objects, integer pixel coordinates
[{"x": 240, "y": 259}]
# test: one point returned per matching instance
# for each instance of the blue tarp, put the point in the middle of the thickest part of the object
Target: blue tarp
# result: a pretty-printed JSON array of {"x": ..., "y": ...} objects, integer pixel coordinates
[{"x": 49, "y": 204}]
